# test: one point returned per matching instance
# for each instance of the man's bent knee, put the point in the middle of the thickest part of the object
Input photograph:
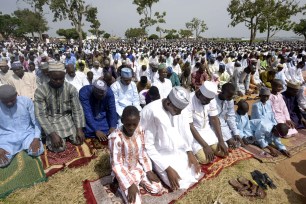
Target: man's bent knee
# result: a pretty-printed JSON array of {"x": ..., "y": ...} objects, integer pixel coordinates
[{"x": 200, "y": 155}]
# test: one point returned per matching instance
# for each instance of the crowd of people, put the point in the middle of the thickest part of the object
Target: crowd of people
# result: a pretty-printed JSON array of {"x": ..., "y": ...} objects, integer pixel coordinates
[{"x": 164, "y": 107}]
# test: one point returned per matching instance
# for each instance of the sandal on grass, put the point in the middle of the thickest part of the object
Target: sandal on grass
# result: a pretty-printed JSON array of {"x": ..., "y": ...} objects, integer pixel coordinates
[{"x": 246, "y": 188}]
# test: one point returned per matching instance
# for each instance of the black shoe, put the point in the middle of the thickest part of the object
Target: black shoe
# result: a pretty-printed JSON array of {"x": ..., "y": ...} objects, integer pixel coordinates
[
  {"x": 269, "y": 181},
  {"x": 259, "y": 178}
]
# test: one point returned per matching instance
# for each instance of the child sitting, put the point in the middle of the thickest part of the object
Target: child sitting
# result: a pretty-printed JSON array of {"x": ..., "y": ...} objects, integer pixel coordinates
[
  {"x": 129, "y": 160},
  {"x": 243, "y": 123},
  {"x": 279, "y": 107}
]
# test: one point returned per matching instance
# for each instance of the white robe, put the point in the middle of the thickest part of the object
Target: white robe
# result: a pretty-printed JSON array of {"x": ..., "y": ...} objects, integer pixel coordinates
[{"x": 167, "y": 140}]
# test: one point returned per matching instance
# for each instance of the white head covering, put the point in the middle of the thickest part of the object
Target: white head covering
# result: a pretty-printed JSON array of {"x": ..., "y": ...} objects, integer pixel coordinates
[
  {"x": 209, "y": 89},
  {"x": 56, "y": 67},
  {"x": 179, "y": 97},
  {"x": 100, "y": 84}
]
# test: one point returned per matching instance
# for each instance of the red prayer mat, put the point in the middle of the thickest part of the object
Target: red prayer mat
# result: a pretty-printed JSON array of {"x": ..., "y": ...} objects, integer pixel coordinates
[
  {"x": 293, "y": 144},
  {"x": 72, "y": 157},
  {"x": 99, "y": 191}
]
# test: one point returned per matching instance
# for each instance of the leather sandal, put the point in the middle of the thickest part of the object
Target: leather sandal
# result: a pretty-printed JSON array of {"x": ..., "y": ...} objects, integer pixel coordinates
[
  {"x": 269, "y": 181},
  {"x": 259, "y": 178}
]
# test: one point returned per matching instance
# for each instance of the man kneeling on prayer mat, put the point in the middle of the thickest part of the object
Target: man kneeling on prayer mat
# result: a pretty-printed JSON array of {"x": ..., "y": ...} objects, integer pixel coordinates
[
  {"x": 168, "y": 139},
  {"x": 19, "y": 130},
  {"x": 99, "y": 107},
  {"x": 129, "y": 160},
  {"x": 203, "y": 114},
  {"x": 268, "y": 135},
  {"x": 59, "y": 111}
]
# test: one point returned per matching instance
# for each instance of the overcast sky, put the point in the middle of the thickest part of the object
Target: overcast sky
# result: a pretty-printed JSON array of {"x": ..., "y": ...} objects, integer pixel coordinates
[{"x": 116, "y": 16}]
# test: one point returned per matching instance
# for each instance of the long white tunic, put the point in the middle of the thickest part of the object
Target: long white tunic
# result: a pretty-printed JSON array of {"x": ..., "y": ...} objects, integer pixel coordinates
[
  {"x": 167, "y": 140},
  {"x": 164, "y": 88}
]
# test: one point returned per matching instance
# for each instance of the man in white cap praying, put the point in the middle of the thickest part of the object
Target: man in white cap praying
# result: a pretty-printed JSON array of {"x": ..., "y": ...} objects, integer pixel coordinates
[
  {"x": 5, "y": 73},
  {"x": 24, "y": 82},
  {"x": 168, "y": 139},
  {"x": 99, "y": 107},
  {"x": 19, "y": 129},
  {"x": 59, "y": 111},
  {"x": 125, "y": 91},
  {"x": 205, "y": 125}
]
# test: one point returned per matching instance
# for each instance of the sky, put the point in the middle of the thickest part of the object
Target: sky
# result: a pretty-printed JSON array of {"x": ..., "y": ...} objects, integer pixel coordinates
[{"x": 116, "y": 16}]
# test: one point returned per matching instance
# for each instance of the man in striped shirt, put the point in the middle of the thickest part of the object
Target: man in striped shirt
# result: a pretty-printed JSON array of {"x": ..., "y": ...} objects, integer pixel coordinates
[{"x": 59, "y": 111}]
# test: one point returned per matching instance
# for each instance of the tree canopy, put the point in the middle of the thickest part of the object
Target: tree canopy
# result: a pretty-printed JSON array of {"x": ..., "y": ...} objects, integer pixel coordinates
[
  {"x": 135, "y": 33},
  {"x": 196, "y": 25},
  {"x": 69, "y": 33},
  {"x": 300, "y": 28},
  {"x": 9, "y": 25},
  {"x": 185, "y": 33}
]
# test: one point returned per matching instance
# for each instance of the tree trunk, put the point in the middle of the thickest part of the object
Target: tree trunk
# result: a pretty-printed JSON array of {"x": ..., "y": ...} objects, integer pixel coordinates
[
  {"x": 305, "y": 38},
  {"x": 268, "y": 34}
]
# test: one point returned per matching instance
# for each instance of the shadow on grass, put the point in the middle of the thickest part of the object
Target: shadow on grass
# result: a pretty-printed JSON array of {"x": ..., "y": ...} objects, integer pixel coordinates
[{"x": 294, "y": 197}]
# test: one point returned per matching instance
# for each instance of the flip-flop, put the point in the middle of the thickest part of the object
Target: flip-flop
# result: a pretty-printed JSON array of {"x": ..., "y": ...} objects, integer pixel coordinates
[
  {"x": 259, "y": 178},
  {"x": 269, "y": 181}
]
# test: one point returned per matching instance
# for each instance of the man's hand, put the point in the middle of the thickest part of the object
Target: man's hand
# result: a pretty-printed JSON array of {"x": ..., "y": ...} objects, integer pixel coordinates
[
  {"x": 173, "y": 178},
  {"x": 222, "y": 148},
  {"x": 273, "y": 151},
  {"x": 152, "y": 177},
  {"x": 132, "y": 191},
  {"x": 56, "y": 140},
  {"x": 290, "y": 124},
  {"x": 209, "y": 153},
  {"x": 111, "y": 130},
  {"x": 238, "y": 139},
  {"x": 101, "y": 136},
  {"x": 239, "y": 93},
  {"x": 286, "y": 153},
  {"x": 193, "y": 162},
  {"x": 35, "y": 145},
  {"x": 3, "y": 158},
  {"x": 80, "y": 136}
]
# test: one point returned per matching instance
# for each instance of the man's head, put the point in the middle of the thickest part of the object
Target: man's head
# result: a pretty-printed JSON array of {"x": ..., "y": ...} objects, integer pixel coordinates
[
  {"x": 152, "y": 94},
  {"x": 227, "y": 92},
  {"x": 3, "y": 66},
  {"x": 300, "y": 64},
  {"x": 154, "y": 67},
  {"x": 44, "y": 66},
  {"x": 106, "y": 63},
  {"x": 143, "y": 80},
  {"x": 126, "y": 74},
  {"x": 292, "y": 89},
  {"x": 89, "y": 76},
  {"x": 130, "y": 120},
  {"x": 264, "y": 94},
  {"x": 169, "y": 71},
  {"x": 68, "y": 55},
  {"x": 162, "y": 71},
  {"x": 70, "y": 70},
  {"x": 57, "y": 73},
  {"x": 207, "y": 92},
  {"x": 177, "y": 100},
  {"x": 280, "y": 130},
  {"x": 243, "y": 107},
  {"x": 18, "y": 69},
  {"x": 31, "y": 66},
  {"x": 108, "y": 78},
  {"x": 99, "y": 89},
  {"x": 8, "y": 95},
  {"x": 280, "y": 67},
  {"x": 221, "y": 68},
  {"x": 96, "y": 64},
  {"x": 144, "y": 68},
  {"x": 81, "y": 66},
  {"x": 277, "y": 86}
]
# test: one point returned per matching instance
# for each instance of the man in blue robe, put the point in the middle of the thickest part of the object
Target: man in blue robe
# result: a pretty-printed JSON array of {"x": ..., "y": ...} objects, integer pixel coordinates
[
  {"x": 19, "y": 129},
  {"x": 99, "y": 107}
]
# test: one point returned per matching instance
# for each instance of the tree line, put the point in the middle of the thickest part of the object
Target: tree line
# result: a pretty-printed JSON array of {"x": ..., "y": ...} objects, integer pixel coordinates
[{"x": 264, "y": 16}]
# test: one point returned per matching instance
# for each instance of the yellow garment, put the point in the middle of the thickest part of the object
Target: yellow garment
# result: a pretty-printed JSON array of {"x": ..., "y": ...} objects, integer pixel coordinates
[{"x": 266, "y": 78}]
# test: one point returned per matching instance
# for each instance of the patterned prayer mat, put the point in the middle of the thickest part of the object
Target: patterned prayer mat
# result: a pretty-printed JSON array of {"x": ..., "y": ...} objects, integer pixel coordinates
[
  {"x": 23, "y": 171},
  {"x": 73, "y": 156},
  {"x": 94, "y": 143},
  {"x": 99, "y": 191},
  {"x": 294, "y": 145}
]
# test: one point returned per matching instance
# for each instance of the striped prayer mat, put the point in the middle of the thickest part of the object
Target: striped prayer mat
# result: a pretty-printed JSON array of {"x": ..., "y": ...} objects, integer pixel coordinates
[
  {"x": 23, "y": 171},
  {"x": 99, "y": 191},
  {"x": 73, "y": 156}
]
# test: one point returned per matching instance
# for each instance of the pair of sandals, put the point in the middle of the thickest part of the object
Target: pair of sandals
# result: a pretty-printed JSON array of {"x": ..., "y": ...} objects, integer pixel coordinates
[
  {"x": 247, "y": 188},
  {"x": 262, "y": 179}
]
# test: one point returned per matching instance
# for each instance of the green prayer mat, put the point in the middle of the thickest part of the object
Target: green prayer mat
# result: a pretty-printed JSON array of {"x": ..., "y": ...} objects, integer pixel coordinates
[{"x": 23, "y": 171}]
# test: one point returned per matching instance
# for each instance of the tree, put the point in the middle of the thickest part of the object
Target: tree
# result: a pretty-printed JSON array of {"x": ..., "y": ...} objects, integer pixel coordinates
[
  {"x": 70, "y": 33},
  {"x": 185, "y": 33},
  {"x": 106, "y": 35},
  {"x": 171, "y": 34},
  {"x": 75, "y": 11},
  {"x": 300, "y": 28},
  {"x": 153, "y": 37},
  {"x": 196, "y": 25},
  {"x": 276, "y": 16},
  {"x": 9, "y": 26},
  {"x": 95, "y": 29},
  {"x": 160, "y": 30},
  {"x": 135, "y": 33},
  {"x": 248, "y": 12},
  {"x": 31, "y": 22},
  {"x": 144, "y": 7}
]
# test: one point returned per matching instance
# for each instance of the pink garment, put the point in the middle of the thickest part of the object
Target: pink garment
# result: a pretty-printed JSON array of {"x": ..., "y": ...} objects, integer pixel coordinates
[{"x": 280, "y": 110}]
